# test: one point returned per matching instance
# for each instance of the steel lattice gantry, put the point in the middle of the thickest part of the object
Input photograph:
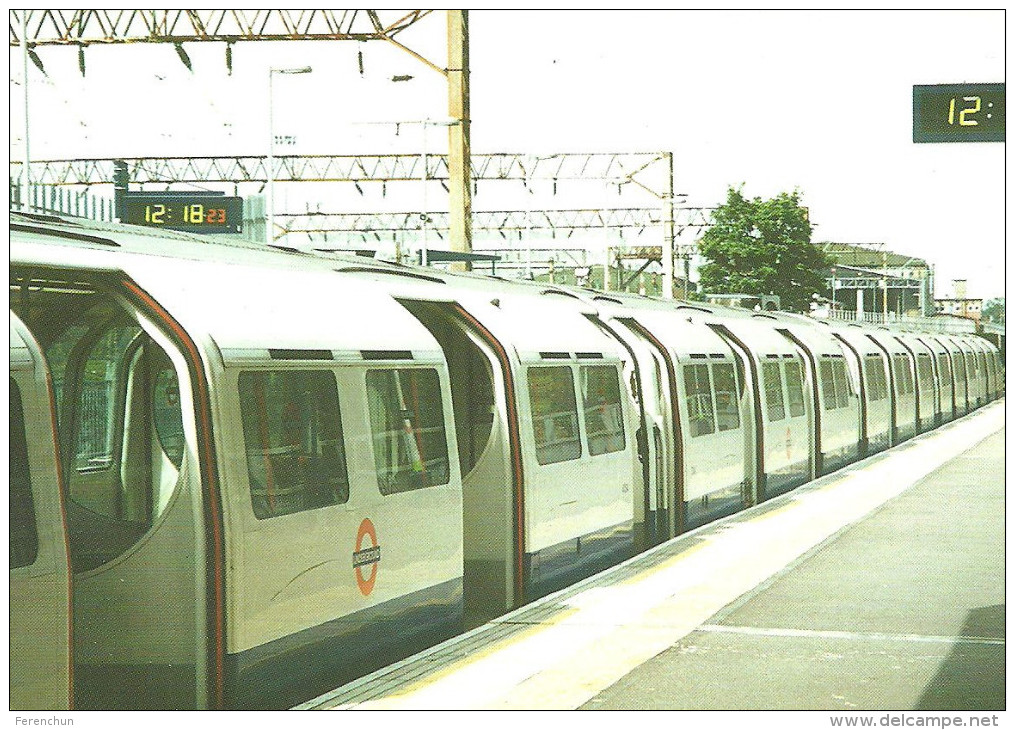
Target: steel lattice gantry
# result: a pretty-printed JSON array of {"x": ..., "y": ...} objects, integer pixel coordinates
[
  {"x": 643, "y": 170},
  {"x": 367, "y": 226},
  {"x": 87, "y": 27}
]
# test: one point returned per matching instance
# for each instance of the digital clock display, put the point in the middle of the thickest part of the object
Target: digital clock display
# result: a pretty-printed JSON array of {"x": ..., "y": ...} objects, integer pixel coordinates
[
  {"x": 958, "y": 113},
  {"x": 194, "y": 213}
]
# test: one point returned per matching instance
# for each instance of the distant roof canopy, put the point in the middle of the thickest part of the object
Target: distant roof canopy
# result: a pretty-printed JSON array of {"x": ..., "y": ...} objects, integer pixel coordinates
[{"x": 870, "y": 256}]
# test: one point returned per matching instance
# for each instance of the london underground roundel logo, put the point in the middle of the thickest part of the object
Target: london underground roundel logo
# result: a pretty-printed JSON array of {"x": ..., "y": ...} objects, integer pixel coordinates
[{"x": 367, "y": 557}]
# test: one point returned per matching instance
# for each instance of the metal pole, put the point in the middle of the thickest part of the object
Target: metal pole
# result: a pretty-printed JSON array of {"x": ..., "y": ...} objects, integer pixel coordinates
[
  {"x": 269, "y": 234},
  {"x": 269, "y": 226},
  {"x": 459, "y": 152},
  {"x": 26, "y": 175},
  {"x": 833, "y": 291},
  {"x": 884, "y": 271},
  {"x": 668, "y": 234},
  {"x": 423, "y": 177}
]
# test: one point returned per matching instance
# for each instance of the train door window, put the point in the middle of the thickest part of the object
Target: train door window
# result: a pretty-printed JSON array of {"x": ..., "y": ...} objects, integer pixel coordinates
[
  {"x": 699, "y": 400},
  {"x": 99, "y": 409},
  {"x": 292, "y": 431},
  {"x": 24, "y": 537},
  {"x": 772, "y": 376},
  {"x": 167, "y": 420},
  {"x": 903, "y": 375},
  {"x": 828, "y": 384},
  {"x": 795, "y": 388},
  {"x": 407, "y": 428},
  {"x": 960, "y": 370},
  {"x": 944, "y": 369},
  {"x": 877, "y": 387},
  {"x": 554, "y": 414},
  {"x": 842, "y": 385},
  {"x": 57, "y": 355},
  {"x": 925, "y": 370},
  {"x": 602, "y": 409},
  {"x": 981, "y": 365},
  {"x": 727, "y": 404}
]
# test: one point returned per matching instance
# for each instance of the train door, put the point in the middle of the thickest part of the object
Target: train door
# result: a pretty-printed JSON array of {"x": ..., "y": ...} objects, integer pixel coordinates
[
  {"x": 134, "y": 504},
  {"x": 489, "y": 452},
  {"x": 879, "y": 416},
  {"x": 943, "y": 378},
  {"x": 961, "y": 379},
  {"x": 40, "y": 597},
  {"x": 660, "y": 437}
]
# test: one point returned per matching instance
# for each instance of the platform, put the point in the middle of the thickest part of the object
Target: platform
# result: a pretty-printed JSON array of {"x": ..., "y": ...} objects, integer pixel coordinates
[{"x": 878, "y": 587}]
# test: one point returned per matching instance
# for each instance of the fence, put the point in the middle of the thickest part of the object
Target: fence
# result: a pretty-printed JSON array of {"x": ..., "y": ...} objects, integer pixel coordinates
[
  {"x": 60, "y": 200},
  {"x": 944, "y": 325}
]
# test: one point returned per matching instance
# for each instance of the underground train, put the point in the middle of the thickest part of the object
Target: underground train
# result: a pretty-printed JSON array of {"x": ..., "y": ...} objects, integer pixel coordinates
[{"x": 242, "y": 475}]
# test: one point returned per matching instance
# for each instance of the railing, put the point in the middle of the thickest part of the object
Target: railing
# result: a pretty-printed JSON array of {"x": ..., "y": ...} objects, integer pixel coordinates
[
  {"x": 945, "y": 325},
  {"x": 62, "y": 201}
]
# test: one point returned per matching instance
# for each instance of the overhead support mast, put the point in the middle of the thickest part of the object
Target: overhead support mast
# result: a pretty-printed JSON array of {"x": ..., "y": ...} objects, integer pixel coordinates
[{"x": 459, "y": 151}]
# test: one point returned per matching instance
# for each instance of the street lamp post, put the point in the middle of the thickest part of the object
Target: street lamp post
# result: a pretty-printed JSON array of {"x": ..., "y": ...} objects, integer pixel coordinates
[{"x": 270, "y": 212}]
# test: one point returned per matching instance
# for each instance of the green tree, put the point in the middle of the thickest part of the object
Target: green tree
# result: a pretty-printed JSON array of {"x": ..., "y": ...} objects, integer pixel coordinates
[
  {"x": 763, "y": 247},
  {"x": 993, "y": 310}
]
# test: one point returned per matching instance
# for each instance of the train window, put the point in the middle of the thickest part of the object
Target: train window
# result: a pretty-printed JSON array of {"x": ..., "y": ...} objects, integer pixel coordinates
[
  {"x": 554, "y": 414},
  {"x": 944, "y": 370},
  {"x": 925, "y": 370},
  {"x": 795, "y": 388},
  {"x": 843, "y": 390},
  {"x": 407, "y": 425},
  {"x": 292, "y": 431},
  {"x": 981, "y": 365},
  {"x": 97, "y": 413},
  {"x": 877, "y": 386},
  {"x": 960, "y": 367},
  {"x": 24, "y": 538},
  {"x": 602, "y": 409},
  {"x": 57, "y": 355},
  {"x": 903, "y": 375},
  {"x": 727, "y": 405},
  {"x": 772, "y": 375},
  {"x": 699, "y": 400},
  {"x": 828, "y": 385},
  {"x": 166, "y": 413}
]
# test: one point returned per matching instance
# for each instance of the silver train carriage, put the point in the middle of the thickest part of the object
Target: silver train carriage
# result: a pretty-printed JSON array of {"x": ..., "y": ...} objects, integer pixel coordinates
[{"x": 258, "y": 472}]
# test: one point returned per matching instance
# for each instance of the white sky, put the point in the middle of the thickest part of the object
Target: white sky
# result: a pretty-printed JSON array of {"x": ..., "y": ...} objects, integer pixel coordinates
[{"x": 818, "y": 101}]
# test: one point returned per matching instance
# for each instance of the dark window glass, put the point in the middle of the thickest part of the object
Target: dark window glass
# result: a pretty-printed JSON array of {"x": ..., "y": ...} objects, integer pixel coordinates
[
  {"x": 554, "y": 414},
  {"x": 944, "y": 370},
  {"x": 842, "y": 387},
  {"x": 903, "y": 375},
  {"x": 23, "y": 534},
  {"x": 727, "y": 405},
  {"x": 795, "y": 388},
  {"x": 772, "y": 374},
  {"x": 292, "y": 431},
  {"x": 699, "y": 400},
  {"x": 604, "y": 414},
  {"x": 960, "y": 370},
  {"x": 99, "y": 401},
  {"x": 925, "y": 370},
  {"x": 877, "y": 386},
  {"x": 828, "y": 384},
  {"x": 407, "y": 428},
  {"x": 167, "y": 415}
]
